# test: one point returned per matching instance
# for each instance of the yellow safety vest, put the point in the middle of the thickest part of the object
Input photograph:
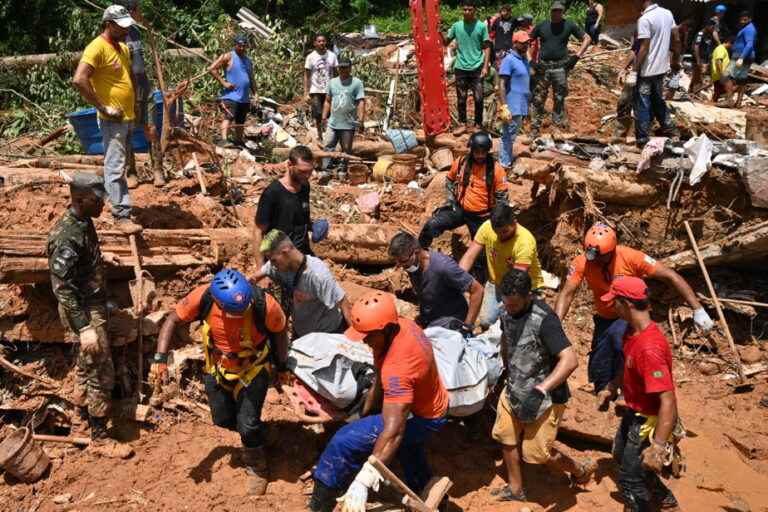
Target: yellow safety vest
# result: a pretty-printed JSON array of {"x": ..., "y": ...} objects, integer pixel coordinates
[{"x": 236, "y": 381}]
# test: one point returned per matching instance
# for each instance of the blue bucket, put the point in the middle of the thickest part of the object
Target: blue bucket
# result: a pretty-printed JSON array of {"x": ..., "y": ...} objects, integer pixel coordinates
[
  {"x": 402, "y": 140},
  {"x": 86, "y": 127}
]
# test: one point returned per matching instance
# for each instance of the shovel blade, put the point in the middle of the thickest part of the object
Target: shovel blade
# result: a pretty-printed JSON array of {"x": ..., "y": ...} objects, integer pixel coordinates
[{"x": 142, "y": 293}]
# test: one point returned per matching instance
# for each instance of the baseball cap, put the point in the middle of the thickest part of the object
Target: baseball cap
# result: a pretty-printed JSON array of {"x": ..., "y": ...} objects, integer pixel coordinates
[
  {"x": 271, "y": 240},
  {"x": 521, "y": 36},
  {"x": 557, "y": 6},
  {"x": 527, "y": 17},
  {"x": 119, "y": 15},
  {"x": 721, "y": 8},
  {"x": 345, "y": 62},
  {"x": 84, "y": 183},
  {"x": 628, "y": 287},
  {"x": 241, "y": 39}
]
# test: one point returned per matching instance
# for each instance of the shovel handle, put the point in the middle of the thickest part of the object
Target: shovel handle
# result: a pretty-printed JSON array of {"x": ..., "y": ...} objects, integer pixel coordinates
[{"x": 136, "y": 257}]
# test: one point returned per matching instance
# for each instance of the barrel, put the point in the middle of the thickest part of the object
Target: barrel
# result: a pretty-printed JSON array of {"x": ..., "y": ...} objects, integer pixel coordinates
[{"x": 22, "y": 457}]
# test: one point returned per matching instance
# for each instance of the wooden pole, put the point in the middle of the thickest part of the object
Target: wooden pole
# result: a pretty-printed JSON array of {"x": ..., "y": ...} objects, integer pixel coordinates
[
  {"x": 139, "y": 308},
  {"x": 744, "y": 302},
  {"x": 715, "y": 301},
  {"x": 77, "y": 441},
  {"x": 12, "y": 367},
  {"x": 414, "y": 501}
]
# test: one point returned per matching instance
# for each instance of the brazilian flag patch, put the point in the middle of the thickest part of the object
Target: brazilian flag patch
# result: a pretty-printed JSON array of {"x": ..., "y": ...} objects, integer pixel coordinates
[{"x": 658, "y": 374}]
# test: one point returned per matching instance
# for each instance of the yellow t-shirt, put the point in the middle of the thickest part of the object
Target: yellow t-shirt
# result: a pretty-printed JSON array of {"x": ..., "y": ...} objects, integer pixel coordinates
[
  {"x": 503, "y": 256},
  {"x": 111, "y": 77},
  {"x": 720, "y": 53}
]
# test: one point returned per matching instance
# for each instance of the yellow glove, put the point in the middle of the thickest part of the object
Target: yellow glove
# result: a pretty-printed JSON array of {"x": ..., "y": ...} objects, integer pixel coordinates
[{"x": 504, "y": 114}]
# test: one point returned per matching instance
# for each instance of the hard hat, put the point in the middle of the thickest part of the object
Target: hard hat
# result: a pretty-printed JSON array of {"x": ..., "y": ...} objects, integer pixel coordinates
[
  {"x": 373, "y": 312},
  {"x": 600, "y": 239},
  {"x": 720, "y": 8},
  {"x": 480, "y": 140},
  {"x": 231, "y": 291},
  {"x": 521, "y": 36}
]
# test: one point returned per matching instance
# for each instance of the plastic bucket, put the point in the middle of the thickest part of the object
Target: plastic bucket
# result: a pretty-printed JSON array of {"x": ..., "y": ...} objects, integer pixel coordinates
[
  {"x": 442, "y": 159},
  {"x": 358, "y": 174},
  {"x": 87, "y": 129},
  {"x": 381, "y": 168},
  {"x": 22, "y": 457},
  {"x": 402, "y": 140},
  {"x": 403, "y": 168}
]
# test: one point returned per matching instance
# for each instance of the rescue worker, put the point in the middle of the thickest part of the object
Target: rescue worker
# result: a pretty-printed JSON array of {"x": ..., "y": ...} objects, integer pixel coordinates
[
  {"x": 78, "y": 282},
  {"x": 413, "y": 404},
  {"x": 318, "y": 303},
  {"x": 538, "y": 358},
  {"x": 237, "y": 84},
  {"x": 650, "y": 423},
  {"x": 474, "y": 185},
  {"x": 439, "y": 283},
  {"x": 241, "y": 327},
  {"x": 603, "y": 260}
]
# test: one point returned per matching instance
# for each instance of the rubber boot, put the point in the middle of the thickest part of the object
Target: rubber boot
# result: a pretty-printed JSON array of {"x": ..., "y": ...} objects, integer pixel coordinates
[
  {"x": 323, "y": 498},
  {"x": 102, "y": 444},
  {"x": 258, "y": 471},
  {"x": 633, "y": 504}
]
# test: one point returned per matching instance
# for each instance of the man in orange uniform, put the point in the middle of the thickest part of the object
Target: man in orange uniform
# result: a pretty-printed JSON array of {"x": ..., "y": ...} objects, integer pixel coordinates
[
  {"x": 604, "y": 260},
  {"x": 237, "y": 320},
  {"x": 414, "y": 406}
]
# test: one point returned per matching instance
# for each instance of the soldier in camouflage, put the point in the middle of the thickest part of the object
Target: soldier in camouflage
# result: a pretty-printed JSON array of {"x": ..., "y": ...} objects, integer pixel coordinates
[
  {"x": 77, "y": 278},
  {"x": 539, "y": 359}
]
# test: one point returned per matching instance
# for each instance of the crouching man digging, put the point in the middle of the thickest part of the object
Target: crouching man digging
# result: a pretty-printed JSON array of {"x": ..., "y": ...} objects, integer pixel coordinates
[{"x": 539, "y": 359}]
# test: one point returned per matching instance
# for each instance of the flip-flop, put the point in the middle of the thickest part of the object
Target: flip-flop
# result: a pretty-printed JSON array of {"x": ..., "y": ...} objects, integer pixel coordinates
[{"x": 505, "y": 494}]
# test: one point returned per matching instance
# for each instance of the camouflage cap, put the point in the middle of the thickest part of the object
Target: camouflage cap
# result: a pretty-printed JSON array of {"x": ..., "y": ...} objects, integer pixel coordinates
[
  {"x": 272, "y": 240},
  {"x": 83, "y": 183}
]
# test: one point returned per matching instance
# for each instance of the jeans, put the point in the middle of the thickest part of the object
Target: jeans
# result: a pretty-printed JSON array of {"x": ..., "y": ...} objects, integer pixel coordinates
[
  {"x": 490, "y": 311},
  {"x": 352, "y": 444},
  {"x": 508, "y": 136},
  {"x": 606, "y": 359},
  {"x": 650, "y": 105},
  {"x": 447, "y": 218},
  {"x": 636, "y": 484},
  {"x": 115, "y": 137},
  {"x": 242, "y": 415},
  {"x": 466, "y": 81},
  {"x": 624, "y": 111},
  {"x": 335, "y": 137}
]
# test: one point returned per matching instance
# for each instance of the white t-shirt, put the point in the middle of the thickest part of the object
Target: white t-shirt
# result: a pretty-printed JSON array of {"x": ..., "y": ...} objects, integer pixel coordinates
[
  {"x": 656, "y": 24},
  {"x": 320, "y": 70}
]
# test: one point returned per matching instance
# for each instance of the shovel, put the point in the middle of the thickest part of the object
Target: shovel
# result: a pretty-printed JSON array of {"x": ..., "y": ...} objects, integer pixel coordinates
[{"x": 142, "y": 292}]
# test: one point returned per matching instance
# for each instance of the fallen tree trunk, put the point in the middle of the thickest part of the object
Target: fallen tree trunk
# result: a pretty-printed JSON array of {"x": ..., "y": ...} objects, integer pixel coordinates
[
  {"x": 52, "y": 161},
  {"x": 360, "y": 244},
  {"x": 745, "y": 245},
  {"x": 354, "y": 291},
  {"x": 12, "y": 176},
  {"x": 540, "y": 171},
  {"x": 70, "y": 59},
  {"x": 610, "y": 187}
]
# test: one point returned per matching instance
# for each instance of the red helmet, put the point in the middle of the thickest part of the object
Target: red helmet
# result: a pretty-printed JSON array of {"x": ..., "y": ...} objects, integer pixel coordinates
[
  {"x": 600, "y": 239},
  {"x": 373, "y": 312}
]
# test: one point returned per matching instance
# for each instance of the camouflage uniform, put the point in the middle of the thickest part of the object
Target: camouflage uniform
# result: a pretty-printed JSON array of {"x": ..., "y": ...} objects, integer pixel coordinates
[
  {"x": 77, "y": 278},
  {"x": 555, "y": 75}
]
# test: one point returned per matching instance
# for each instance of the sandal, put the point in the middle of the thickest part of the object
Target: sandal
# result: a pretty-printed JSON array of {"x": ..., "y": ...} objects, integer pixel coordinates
[{"x": 505, "y": 494}]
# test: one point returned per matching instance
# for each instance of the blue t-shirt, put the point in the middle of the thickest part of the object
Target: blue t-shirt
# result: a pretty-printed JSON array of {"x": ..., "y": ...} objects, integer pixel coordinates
[
  {"x": 518, "y": 69},
  {"x": 344, "y": 98},
  {"x": 744, "y": 46},
  {"x": 440, "y": 289}
]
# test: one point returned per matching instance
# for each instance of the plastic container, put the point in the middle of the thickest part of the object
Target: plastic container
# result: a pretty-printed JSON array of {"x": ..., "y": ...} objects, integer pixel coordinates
[
  {"x": 403, "y": 168},
  {"x": 358, "y": 174},
  {"x": 22, "y": 457},
  {"x": 402, "y": 140},
  {"x": 442, "y": 159}
]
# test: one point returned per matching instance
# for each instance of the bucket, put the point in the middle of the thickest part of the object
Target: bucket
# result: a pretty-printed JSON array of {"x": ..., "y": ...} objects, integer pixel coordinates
[
  {"x": 358, "y": 174},
  {"x": 403, "y": 168},
  {"x": 381, "y": 168},
  {"x": 22, "y": 457},
  {"x": 442, "y": 159},
  {"x": 402, "y": 140},
  {"x": 87, "y": 129}
]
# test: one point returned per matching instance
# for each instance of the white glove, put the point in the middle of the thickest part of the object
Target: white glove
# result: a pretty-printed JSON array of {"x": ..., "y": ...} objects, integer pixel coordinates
[
  {"x": 631, "y": 79},
  {"x": 357, "y": 495},
  {"x": 702, "y": 320},
  {"x": 112, "y": 112},
  {"x": 89, "y": 340},
  {"x": 739, "y": 63}
]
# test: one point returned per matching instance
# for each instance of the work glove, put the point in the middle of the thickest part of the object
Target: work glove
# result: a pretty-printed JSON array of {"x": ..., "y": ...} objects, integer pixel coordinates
[
  {"x": 112, "y": 112},
  {"x": 702, "y": 320},
  {"x": 739, "y": 63},
  {"x": 631, "y": 79},
  {"x": 357, "y": 495},
  {"x": 158, "y": 374},
  {"x": 89, "y": 340},
  {"x": 505, "y": 116},
  {"x": 653, "y": 457},
  {"x": 529, "y": 409},
  {"x": 320, "y": 229}
]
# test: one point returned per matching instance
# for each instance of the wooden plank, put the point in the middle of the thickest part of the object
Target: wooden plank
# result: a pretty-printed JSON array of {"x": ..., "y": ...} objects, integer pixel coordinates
[{"x": 414, "y": 501}]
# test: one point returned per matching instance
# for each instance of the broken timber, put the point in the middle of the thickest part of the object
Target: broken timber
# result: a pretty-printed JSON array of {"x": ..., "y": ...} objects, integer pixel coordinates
[{"x": 745, "y": 245}]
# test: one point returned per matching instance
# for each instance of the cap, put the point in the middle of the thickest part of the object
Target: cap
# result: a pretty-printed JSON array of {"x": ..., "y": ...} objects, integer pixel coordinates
[
  {"x": 271, "y": 240},
  {"x": 557, "y": 6},
  {"x": 241, "y": 39},
  {"x": 527, "y": 17},
  {"x": 720, "y": 8},
  {"x": 119, "y": 15},
  {"x": 84, "y": 183},
  {"x": 345, "y": 62},
  {"x": 628, "y": 287},
  {"x": 521, "y": 36}
]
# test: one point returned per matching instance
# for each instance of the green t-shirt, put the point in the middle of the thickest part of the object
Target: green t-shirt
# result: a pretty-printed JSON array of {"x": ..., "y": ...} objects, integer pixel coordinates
[
  {"x": 470, "y": 38},
  {"x": 554, "y": 38},
  {"x": 344, "y": 98}
]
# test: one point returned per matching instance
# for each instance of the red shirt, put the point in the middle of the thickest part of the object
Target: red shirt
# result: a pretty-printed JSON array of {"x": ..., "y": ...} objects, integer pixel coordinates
[
  {"x": 647, "y": 369},
  {"x": 409, "y": 373}
]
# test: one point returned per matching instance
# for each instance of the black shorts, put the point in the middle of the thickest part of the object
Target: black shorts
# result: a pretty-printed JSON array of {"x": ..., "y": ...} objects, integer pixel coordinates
[
  {"x": 317, "y": 101},
  {"x": 234, "y": 111}
]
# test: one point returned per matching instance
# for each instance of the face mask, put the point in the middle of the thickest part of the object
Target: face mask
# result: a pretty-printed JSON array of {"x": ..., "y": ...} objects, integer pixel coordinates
[{"x": 413, "y": 268}]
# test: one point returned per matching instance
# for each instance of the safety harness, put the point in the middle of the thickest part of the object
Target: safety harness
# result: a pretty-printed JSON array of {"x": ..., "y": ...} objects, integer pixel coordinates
[
  {"x": 466, "y": 174},
  {"x": 250, "y": 360}
]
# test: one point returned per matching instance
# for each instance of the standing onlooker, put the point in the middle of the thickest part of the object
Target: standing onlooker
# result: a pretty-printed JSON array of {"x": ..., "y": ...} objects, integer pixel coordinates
[
  {"x": 721, "y": 29},
  {"x": 595, "y": 14},
  {"x": 539, "y": 358},
  {"x": 743, "y": 55},
  {"x": 345, "y": 111},
  {"x": 658, "y": 34},
  {"x": 642, "y": 442},
  {"x": 719, "y": 66},
  {"x": 319, "y": 68},
  {"x": 514, "y": 93},
  {"x": 551, "y": 71},
  {"x": 238, "y": 85},
  {"x": 103, "y": 78},
  {"x": 525, "y": 23},
  {"x": 473, "y": 57},
  {"x": 628, "y": 79},
  {"x": 703, "y": 46},
  {"x": 502, "y": 30}
]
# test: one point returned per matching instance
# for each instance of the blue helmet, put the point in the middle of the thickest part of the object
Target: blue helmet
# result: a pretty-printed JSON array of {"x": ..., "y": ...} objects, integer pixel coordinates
[
  {"x": 720, "y": 9},
  {"x": 231, "y": 291}
]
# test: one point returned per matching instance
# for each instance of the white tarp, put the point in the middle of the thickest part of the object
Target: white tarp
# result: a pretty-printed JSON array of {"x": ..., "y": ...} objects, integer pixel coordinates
[{"x": 699, "y": 151}]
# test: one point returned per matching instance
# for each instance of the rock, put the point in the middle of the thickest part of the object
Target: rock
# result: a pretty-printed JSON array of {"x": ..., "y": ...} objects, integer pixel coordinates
[
  {"x": 751, "y": 354},
  {"x": 738, "y": 504},
  {"x": 61, "y": 499},
  {"x": 709, "y": 368},
  {"x": 525, "y": 509}
]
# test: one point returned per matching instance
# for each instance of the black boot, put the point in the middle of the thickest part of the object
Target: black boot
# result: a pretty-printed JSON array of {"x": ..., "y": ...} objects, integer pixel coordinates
[
  {"x": 633, "y": 504},
  {"x": 98, "y": 428},
  {"x": 323, "y": 498},
  {"x": 102, "y": 444}
]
